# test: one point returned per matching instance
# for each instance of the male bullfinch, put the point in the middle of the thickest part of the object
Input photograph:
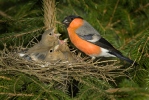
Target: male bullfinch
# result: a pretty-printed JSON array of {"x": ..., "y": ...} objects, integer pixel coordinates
[{"x": 88, "y": 40}]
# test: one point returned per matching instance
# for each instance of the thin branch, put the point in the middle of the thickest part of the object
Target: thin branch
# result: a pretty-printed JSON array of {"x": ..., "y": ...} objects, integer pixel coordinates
[
  {"x": 14, "y": 94},
  {"x": 142, "y": 7},
  {"x": 5, "y": 15},
  {"x": 21, "y": 34},
  {"x": 111, "y": 18}
]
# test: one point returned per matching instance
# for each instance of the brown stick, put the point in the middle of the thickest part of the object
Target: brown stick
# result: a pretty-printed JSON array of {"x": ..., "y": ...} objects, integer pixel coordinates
[{"x": 49, "y": 13}]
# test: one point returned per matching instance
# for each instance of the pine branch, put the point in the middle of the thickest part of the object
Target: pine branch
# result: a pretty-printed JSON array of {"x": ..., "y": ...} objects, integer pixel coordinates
[
  {"x": 16, "y": 94},
  {"x": 142, "y": 7},
  {"x": 5, "y": 15},
  {"x": 126, "y": 91},
  {"x": 4, "y": 77},
  {"x": 21, "y": 34},
  {"x": 111, "y": 18},
  {"x": 115, "y": 90}
]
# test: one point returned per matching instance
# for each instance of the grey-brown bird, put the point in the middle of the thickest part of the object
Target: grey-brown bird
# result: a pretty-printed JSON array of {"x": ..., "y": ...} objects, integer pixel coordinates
[
  {"x": 49, "y": 39},
  {"x": 39, "y": 51},
  {"x": 61, "y": 53}
]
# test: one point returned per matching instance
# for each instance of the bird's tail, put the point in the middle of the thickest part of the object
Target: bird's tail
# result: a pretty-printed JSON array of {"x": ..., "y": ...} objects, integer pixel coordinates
[{"x": 120, "y": 56}]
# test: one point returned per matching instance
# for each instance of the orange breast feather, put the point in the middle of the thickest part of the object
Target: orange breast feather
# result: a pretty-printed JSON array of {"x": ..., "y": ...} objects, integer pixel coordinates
[{"x": 85, "y": 46}]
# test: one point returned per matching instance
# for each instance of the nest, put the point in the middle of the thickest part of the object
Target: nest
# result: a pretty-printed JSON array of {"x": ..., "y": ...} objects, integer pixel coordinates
[{"x": 61, "y": 71}]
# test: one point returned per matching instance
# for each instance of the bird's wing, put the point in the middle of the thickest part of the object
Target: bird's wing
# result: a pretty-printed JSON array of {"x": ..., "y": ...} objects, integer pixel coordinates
[
  {"x": 105, "y": 44},
  {"x": 100, "y": 42},
  {"x": 88, "y": 33}
]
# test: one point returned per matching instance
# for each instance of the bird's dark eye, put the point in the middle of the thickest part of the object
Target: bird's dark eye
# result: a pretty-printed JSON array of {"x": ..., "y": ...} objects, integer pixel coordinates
[
  {"x": 71, "y": 18},
  {"x": 50, "y": 33},
  {"x": 51, "y": 50}
]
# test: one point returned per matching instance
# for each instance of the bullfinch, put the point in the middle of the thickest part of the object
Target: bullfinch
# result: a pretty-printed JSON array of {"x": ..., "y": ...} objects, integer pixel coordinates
[{"x": 88, "y": 40}]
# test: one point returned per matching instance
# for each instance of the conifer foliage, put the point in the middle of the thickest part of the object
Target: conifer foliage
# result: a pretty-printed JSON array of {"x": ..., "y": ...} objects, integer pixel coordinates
[{"x": 124, "y": 23}]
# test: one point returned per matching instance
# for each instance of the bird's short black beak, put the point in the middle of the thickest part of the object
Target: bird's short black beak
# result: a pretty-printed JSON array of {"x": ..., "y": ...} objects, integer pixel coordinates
[{"x": 66, "y": 22}]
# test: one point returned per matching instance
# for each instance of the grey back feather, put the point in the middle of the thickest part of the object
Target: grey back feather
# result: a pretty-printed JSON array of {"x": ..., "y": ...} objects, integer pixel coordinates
[
  {"x": 87, "y": 32},
  {"x": 86, "y": 29}
]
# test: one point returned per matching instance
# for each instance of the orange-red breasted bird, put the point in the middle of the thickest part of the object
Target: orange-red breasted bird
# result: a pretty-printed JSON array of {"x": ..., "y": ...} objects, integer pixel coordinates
[{"x": 88, "y": 40}]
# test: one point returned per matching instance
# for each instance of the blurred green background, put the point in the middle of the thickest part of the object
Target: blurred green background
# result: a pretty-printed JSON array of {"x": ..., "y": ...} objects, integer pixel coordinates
[{"x": 124, "y": 23}]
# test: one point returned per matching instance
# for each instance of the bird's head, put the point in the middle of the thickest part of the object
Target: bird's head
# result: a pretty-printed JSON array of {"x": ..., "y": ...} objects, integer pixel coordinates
[{"x": 75, "y": 20}]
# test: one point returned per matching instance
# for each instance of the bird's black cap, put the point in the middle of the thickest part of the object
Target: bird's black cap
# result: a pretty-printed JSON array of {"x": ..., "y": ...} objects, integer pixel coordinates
[{"x": 67, "y": 20}]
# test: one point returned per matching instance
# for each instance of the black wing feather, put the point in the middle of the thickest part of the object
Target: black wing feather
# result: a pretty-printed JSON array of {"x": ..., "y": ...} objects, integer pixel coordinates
[{"x": 105, "y": 44}]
